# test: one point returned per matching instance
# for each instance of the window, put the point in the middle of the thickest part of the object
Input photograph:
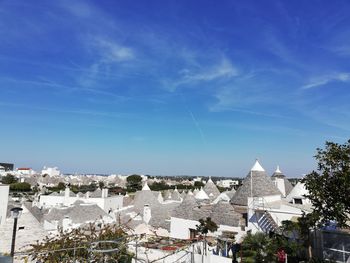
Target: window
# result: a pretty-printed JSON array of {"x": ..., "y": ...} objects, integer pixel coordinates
[
  {"x": 245, "y": 217},
  {"x": 193, "y": 233},
  {"x": 298, "y": 201}
]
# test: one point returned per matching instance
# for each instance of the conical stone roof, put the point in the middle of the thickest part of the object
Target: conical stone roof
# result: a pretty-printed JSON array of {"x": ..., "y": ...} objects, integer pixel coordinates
[
  {"x": 183, "y": 194},
  {"x": 278, "y": 174},
  {"x": 262, "y": 186},
  {"x": 288, "y": 186},
  {"x": 223, "y": 213},
  {"x": 210, "y": 188},
  {"x": 176, "y": 195},
  {"x": 185, "y": 209},
  {"x": 230, "y": 193},
  {"x": 202, "y": 195},
  {"x": 145, "y": 197}
]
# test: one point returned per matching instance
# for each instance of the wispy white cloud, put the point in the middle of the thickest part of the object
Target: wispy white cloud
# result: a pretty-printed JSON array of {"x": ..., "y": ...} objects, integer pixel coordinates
[
  {"x": 323, "y": 80},
  {"x": 107, "y": 55},
  {"x": 222, "y": 69},
  {"x": 110, "y": 51}
]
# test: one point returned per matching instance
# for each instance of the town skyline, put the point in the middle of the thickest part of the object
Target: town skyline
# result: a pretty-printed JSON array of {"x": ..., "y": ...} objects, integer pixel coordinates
[{"x": 163, "y": 87}]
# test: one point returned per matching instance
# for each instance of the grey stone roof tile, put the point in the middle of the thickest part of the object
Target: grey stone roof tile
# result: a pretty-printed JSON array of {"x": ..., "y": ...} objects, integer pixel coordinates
[
  {"x": 262, "y": 186},
  {"x": 210, "y": 188}
]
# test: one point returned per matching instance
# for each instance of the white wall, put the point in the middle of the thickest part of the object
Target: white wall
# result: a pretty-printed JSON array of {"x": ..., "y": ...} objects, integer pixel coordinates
[
  {"x": 285, "y": 212},
  {"x": 298, "y": 191},
  {"x": 114, "y": 202},
  {"x": 228, "y": 183},
  {"x": 180, "y": 228},
  {"x": 4, "y": 195},
  {"x": 279, "y": 214}
]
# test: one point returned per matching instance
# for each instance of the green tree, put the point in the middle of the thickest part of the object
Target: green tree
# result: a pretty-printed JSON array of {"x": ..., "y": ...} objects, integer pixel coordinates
[
  {"x": 134, "y": 182},
  {"x": 159, "y": 186},
  {"x": 9, "y": 179},
  {"x": 198, "y": 184},
  {"x": 22, "y": 187},
  {"x": 205, "y": 226},
  {"x": 329, "y": 186},
  {"x": 61, "y": 186}
]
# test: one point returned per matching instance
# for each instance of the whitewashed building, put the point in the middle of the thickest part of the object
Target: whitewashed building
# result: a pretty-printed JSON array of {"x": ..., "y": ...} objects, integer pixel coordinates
[
  {"x": 99, "y": 197},
  {"x": 25, "y": 171},
  {"x": 228, "y": 183},
  {"x": 50, "y": 171},
  {"x": 298, "y": 195},
  {"x": 261, "y": 202}
]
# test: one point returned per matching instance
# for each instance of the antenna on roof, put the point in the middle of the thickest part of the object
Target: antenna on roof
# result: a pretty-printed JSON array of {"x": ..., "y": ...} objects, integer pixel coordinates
[
  {"x": 251, "y": 184},
  {"x": 251, "y": 176}
]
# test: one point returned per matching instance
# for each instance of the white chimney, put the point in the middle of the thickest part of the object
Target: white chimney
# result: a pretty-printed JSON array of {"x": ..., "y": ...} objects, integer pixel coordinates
[
  {"x": 160, "y": 197},
  {"x": 104, "y": 193},
  {"x": 66, "y": 222},
  {"x": 66, "y": 196},
  {"x": 66, "y": 192},
  {"x": 146, "y": 214}
]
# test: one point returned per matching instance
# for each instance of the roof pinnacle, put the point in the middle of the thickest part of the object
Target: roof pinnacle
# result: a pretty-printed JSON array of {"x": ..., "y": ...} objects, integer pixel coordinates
[{"x": 257, "y": 167}]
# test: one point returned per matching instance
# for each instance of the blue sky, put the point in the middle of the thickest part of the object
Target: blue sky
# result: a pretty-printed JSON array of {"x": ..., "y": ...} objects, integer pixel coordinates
[{"x": 173, "y": 87}]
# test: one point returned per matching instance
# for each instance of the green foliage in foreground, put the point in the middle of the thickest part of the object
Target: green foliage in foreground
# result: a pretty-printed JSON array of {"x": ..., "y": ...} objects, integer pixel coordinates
[
  {"x": 59, "y": 248},
  {"x": 261, "y": 247},
  {"x": 329, "y": 186}
]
